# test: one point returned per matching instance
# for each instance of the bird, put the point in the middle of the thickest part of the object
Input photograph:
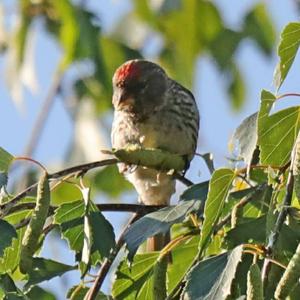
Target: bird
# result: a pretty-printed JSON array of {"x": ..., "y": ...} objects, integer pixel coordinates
[{"x": 152, "y": 110}]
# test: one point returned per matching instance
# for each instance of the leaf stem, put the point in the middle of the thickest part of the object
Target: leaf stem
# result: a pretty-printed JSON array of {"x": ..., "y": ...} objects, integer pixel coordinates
[{"x": 31, "y": 160}]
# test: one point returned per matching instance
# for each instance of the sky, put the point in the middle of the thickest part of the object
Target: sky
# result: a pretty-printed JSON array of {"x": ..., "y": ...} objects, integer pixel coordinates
[{"x": 217, "y": 119}]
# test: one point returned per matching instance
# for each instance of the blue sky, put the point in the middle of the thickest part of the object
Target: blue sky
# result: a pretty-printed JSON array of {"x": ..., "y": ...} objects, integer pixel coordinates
[{"x": 217, "y": 119}]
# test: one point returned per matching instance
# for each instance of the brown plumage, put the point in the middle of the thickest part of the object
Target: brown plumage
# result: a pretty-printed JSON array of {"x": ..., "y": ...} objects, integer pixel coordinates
[{"x": 152, "y": 110}]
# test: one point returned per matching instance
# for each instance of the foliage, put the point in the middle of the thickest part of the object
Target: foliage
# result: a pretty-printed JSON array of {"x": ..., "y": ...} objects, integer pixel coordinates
[{"x": 226, "y": 233}]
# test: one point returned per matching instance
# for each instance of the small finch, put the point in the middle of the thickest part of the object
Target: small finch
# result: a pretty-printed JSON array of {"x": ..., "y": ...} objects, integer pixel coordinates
[{"x": 153, "y": 111}]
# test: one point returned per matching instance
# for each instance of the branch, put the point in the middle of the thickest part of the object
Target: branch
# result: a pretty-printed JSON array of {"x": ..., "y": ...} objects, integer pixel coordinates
[
  {"x": 6, "y": 207},
  {"x": 93, "y": 291},
  {"x": 274, "y": 234},
  {"x": 43, "y": 114},
  {"x": 140, "y": 209}
]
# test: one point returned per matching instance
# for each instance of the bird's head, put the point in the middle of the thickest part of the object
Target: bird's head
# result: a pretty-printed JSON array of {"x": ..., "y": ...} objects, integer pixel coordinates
[{"x": 139, "y": 86}]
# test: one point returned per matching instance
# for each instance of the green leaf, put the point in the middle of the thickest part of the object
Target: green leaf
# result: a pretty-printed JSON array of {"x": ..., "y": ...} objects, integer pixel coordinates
[
  {"x": 197, "y": 191},
  {"x": 236, "y": 88},
  {"x": 277, "y": 132},
  {"x": 103, "y": 236},
  {"x": 156, "y": 222},
  {"x": 45, "y": 269},
  {"x": 287, "y": 50},
  {"x": 78, "y": 292},
  {"x": 70, "y": 218},
  {"x": 11, "y": 257},
  {"x": 38, "y": 293},
  {"x": 7, "y": 284},
  {"x": 182, "y": 258},
  {"x": 136, "y": 280},
  {"x": 5, "y": 160},
  {"x": 246, "y": 137},
  {"x": 111, "y": 182},
  {"x": 69, "y": 30},
  {"x": 69, "y": 211},
  {"x": 219, "y": 186},
  {"x": 8, "y": 232},
  {"x": 215, "y": 274},
  {"x": 21, "y": 34},
  {"x": 259, "y": 26},
  {"x": 247, "y": 233}
]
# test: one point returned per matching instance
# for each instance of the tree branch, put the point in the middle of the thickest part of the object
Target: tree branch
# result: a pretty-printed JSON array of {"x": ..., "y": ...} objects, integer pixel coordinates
[
  {"x": 6, "y": 207},
  {"x": 93, "y": 291},
  {"x": 83, "y": 168}
]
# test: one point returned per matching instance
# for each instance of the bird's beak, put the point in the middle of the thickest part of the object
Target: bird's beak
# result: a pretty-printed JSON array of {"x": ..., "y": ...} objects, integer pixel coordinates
[{"x": 123, "y": 98}]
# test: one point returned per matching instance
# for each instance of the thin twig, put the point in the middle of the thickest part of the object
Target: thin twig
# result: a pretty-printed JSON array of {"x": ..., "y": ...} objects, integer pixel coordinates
[
  {"x": 93, "y": 291},
  {"x": 274, "y": 234},
  {"x": 43, "y": 114}
]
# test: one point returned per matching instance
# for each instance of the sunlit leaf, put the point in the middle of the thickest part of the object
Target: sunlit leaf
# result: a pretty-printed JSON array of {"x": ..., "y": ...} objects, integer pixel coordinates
[
  {"x": 5, "y": 160},
  {"x": 276, "y": 132},
  {"x": 287, "y": 50},
  {"x": 219, "y": 186}
]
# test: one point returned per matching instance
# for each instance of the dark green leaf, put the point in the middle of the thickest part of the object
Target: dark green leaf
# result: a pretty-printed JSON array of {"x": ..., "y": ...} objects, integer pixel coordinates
[
  {"x": 215, "y": 274},
  {"x": 219, "y": 186},
  {"x": 157, "y": 222},
  {"x": 38, "y": 293},
  {"x": 253, "y": 231},
  {"x": 103, "y": 237},
  {"x": 7, "y": 284},
  {"x": 8, "y": 232},
  {"x": 287, "y": 50},
  {"x": 45, "y": 269}
]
